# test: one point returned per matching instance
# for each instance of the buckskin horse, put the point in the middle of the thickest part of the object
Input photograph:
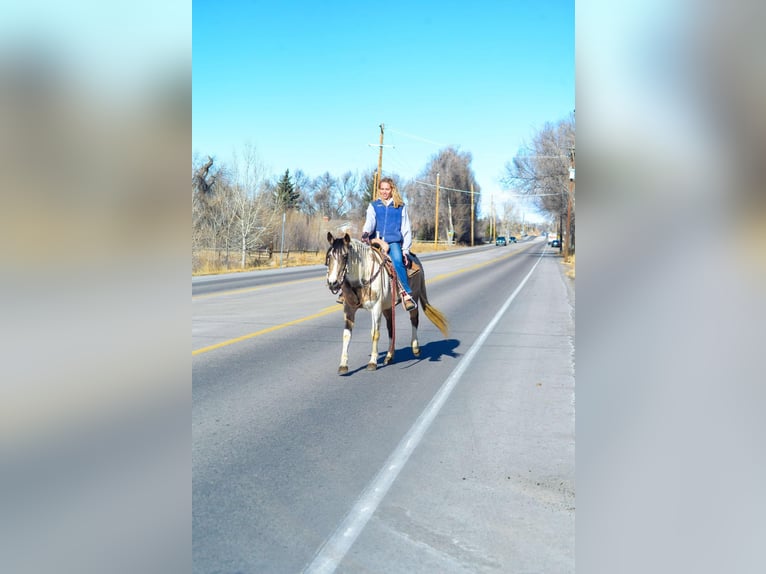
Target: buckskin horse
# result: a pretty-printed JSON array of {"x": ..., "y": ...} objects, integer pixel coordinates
[{"x": 361, "y": 272}]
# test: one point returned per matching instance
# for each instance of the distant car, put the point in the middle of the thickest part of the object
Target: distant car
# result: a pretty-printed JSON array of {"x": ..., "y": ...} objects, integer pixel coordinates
[
  {"x": 500, "y": 240},
  {"x": 555, "y": 243},
  {"x": 511, "y": 239}
]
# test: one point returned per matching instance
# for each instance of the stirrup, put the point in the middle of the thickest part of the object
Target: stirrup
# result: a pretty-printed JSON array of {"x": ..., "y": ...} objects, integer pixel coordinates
[{"x": 408, "y": 302}]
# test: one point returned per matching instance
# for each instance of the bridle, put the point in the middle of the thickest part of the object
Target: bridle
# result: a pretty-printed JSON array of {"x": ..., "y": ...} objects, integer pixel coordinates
[
  {"x": 341, "y": 273},
  {"x": 344, "y": 269}
]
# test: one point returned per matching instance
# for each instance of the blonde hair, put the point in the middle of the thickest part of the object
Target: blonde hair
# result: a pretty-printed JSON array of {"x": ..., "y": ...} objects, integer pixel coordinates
[{"x": 398, "y": 201}]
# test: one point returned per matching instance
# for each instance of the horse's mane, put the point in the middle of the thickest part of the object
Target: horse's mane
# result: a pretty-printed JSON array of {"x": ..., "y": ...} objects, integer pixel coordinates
[{"x": 360, "y": 260}]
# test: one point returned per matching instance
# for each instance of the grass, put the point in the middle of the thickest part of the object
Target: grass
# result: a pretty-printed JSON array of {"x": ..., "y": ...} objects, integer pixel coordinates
[
  {"x": 208, "y": 263},
  {"x": 569, "y": 262}
]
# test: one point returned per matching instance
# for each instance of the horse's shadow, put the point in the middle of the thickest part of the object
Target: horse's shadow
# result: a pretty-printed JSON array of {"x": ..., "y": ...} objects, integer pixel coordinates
[{"x": 433, "y": 351}]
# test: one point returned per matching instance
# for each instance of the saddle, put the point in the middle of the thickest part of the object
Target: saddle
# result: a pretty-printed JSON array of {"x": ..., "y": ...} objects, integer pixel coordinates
[{"x": 413, "y": 263}]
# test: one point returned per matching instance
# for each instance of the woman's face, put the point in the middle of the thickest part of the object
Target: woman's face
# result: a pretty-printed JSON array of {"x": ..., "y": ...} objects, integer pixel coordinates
[{"x": 385, "y": 191}]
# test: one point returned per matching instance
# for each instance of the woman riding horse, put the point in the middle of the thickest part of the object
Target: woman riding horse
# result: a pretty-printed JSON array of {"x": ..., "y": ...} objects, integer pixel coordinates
[
  {"x": 359, "y": 271},
  {"x": 387, "y": 219}
]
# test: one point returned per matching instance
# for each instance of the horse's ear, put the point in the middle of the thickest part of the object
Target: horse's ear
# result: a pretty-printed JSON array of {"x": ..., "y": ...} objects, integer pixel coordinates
[
  {"x": 330, "y": 237},
  {"x": 347, "y": 238}
]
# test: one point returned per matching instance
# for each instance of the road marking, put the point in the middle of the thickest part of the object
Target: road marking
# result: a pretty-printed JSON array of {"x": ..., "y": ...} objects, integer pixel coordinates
[
  {"x": 335, "y": 548},
  {"x": 480, "y": 265},
  {"x": 248, "y": 289},
  {"x": 325, "y": 311},
  {"x": 322, "y": 313}
]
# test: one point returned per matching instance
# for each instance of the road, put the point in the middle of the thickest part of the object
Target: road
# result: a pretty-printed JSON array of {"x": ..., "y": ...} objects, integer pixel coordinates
[{"x": 461, "y": 460}]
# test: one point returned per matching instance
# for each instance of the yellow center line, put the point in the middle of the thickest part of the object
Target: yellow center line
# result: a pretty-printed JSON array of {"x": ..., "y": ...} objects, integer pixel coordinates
[
  {"x": 249, "y": 289},
  {"x": 334, "y": 308},
  {"x": 322, "y": 313},
  {"x": 473, "y": 267}
]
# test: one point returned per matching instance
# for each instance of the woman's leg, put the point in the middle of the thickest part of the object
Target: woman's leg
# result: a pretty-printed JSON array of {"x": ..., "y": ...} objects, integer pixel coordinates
[{"x": 395, "y": 252}]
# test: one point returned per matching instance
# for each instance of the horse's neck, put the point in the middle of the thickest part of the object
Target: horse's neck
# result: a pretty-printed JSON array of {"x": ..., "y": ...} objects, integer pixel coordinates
[{"x": 360, "y": 265}]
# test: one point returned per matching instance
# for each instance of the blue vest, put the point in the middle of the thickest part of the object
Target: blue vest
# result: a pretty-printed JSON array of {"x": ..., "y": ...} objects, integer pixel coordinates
[{"x": 388, "y": 221}]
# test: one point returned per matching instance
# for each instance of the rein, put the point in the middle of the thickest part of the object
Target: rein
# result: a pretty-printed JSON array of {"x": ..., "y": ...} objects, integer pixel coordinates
[
  {"x": 344, "y": 272},
  {"x": 340, "y": 283},
  {"x": 382, "y": 260},
  {"x": 393, "y": 307}
]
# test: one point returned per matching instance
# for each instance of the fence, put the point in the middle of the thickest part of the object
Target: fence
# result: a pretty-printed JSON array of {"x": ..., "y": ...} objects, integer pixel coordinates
[{"x": 214, "y": 260}]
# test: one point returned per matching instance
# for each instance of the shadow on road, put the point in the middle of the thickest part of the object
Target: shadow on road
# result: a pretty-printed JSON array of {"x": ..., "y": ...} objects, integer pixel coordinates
[{"x": 433, "y": 351}]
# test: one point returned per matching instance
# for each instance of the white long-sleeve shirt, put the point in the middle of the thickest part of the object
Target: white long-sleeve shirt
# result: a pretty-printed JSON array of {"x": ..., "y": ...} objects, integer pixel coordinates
[{"x": 369, "y": 224}]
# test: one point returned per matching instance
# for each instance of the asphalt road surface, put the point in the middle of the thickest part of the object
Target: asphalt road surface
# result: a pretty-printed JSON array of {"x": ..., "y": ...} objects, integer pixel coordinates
[{"x": 461, "y": 460}]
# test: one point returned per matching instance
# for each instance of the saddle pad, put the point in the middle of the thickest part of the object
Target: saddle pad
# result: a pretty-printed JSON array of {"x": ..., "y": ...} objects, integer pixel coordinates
[{"x": 414, "y": 266}]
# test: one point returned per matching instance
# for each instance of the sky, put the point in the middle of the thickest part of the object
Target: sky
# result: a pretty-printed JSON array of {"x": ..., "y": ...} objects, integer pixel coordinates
[{"x": 308, "y": 84}]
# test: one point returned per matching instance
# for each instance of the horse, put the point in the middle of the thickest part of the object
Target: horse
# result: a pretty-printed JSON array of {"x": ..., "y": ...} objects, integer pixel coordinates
[{"x": 362, "y": 274}]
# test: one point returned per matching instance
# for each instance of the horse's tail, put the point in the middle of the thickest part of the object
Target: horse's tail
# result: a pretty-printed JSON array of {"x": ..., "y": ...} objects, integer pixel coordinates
[
  {"x": 437, "y": 318},
  {"x": 434, "y": 315}
]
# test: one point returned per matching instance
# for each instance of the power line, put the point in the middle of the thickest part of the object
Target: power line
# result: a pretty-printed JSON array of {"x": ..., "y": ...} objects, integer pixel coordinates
[
  {"x": 399, "y": 159},
  {"x": 415, "y": 137},
  {"x": 542, "y": 157},
  {"x": 449, "y": 188}
]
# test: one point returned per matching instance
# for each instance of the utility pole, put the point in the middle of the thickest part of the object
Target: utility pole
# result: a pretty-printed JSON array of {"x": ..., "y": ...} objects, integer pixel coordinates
[
  {"x": 378, "y": 175},
  {"x": 568, "y": 250},
  {"x": 380, "y": 156},
  {"x": 436, "y": 229},
  {"x": 282, "y": 246},
  {"x": 492, "y": 227},
  {"x": 471, "y": 214}
]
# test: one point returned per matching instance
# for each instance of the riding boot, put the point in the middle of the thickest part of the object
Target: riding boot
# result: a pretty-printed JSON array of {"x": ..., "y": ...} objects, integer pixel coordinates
[
  {"x": 341, "y": 299},
  {"x": 408, "y": 302}
]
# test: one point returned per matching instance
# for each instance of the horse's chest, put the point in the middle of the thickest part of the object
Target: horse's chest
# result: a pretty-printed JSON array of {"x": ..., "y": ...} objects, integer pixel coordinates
[{"x": 367, "y": 297}]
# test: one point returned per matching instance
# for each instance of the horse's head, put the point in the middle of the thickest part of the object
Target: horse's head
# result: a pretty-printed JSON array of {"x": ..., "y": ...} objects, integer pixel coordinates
[{"x": 337, "y": 260}]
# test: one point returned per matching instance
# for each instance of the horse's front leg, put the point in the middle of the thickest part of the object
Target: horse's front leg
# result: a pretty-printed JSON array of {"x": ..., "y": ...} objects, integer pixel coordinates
[
  {"x": 375, "y": 332},
  {"x": 348, "y": 313},
  {"x": 390, "y": 354}
]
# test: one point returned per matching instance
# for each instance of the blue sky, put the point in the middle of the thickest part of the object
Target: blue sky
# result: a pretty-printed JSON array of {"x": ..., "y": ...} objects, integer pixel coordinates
[{"x": 309, "y": 83}]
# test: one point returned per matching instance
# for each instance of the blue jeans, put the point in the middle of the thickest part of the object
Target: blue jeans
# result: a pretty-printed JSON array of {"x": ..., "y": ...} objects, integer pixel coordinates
[{"x": 395, "y": 252}]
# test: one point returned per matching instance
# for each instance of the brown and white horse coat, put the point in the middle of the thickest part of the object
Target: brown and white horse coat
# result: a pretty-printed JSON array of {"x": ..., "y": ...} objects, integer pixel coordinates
[{"x": 361, "y": 273}]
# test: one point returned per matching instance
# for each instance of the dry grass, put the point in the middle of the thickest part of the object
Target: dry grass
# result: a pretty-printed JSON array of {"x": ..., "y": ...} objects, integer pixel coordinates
[
  {"x": 207, "y": 263},
  {"x": 430, "y": 247},
  {"x": 569, "y": 262}
]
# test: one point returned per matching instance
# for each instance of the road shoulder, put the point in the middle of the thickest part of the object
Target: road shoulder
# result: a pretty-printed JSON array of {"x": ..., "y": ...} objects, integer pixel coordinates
[{"x": 491, "y": 486}]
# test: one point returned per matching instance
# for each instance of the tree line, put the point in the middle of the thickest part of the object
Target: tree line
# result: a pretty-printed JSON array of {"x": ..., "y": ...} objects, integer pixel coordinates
[
  {"x": 544, "y": 171},
  {"x": 239, "y": 210}
]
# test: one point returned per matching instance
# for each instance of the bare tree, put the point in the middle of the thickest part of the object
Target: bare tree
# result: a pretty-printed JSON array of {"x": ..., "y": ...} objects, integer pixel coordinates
[
  {"x": 541, "y": 170},
  {"x": 455, "y": 179},
  {"x": 348, "y": 196},
  {"x": 254, "y": 220},
  {"x": 303, "y": 187},
  {"x": 203, "y": 181},
  {"x": 211, "y": 211}
]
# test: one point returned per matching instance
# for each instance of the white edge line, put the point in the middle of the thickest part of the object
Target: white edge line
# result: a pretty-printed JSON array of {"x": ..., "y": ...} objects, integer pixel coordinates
[{"x": 335, "y": 548}]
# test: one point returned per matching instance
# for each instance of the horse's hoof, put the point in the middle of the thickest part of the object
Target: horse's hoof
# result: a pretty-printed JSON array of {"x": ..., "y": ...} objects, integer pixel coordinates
[
  {"x": 372, "y": 366},
  {"x": 388, "y": 359},
  {"x": 416, "y": 351},
  {"x": 342, "y": 370}
]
